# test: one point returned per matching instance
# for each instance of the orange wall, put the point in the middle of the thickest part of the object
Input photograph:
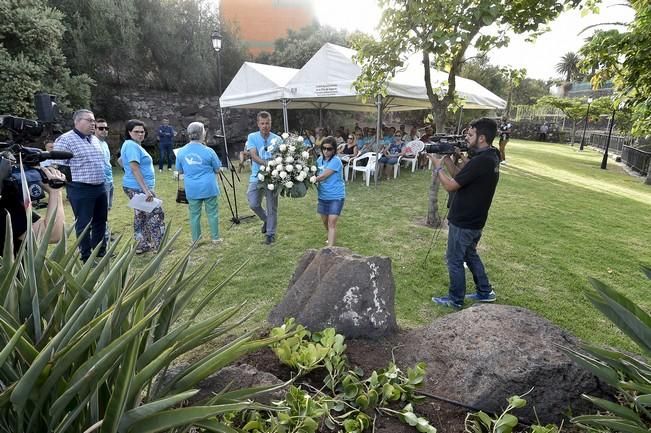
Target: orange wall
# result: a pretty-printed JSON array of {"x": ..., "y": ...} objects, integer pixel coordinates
[{"x": 261, "y": 22}]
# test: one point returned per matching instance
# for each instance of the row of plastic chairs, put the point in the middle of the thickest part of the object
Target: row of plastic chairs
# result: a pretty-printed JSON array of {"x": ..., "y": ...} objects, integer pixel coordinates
[{"x": 355, "y": 165}]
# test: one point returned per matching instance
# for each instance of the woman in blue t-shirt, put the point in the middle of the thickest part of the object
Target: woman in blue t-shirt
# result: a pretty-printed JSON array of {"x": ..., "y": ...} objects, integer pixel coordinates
[
  {"x": 331, "y": 188},
  {"x": 198, "y": 163},
  {"x": 148, "y": 227}
]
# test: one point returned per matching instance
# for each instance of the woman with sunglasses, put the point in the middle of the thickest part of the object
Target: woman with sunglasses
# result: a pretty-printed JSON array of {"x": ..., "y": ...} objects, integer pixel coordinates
[
  {"x": 330, "y": 186},
  {"x": 148, "y": 227}
]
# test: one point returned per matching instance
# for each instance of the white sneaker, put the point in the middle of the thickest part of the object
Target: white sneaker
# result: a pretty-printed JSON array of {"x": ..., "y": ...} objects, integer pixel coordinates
[
  {"x": 217, "y": 241},
  {"x": 503, "y": 162}
]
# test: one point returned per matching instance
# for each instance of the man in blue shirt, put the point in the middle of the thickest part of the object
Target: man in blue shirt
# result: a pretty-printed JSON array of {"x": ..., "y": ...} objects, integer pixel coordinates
[
  {"x": 257, "y": 144},
  {"x": 165, "y": 138},
  {"x": 86, "y": 190},
  {"x": 101, "y": 132}
]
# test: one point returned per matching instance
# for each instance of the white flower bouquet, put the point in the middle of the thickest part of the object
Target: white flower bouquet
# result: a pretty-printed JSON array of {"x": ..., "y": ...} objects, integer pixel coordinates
[{"x": 289, "y": 172}]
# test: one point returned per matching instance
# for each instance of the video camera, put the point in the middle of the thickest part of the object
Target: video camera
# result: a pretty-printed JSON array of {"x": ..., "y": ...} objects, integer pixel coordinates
[
  {"x": 12, "y": 151},
  {"x": 445, "y": 144}
]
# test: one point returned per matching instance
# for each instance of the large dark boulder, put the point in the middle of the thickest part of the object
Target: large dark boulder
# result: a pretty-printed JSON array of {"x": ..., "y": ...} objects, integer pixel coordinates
[
  {"x": 333, "y": 287},
  {"x": 484, "y": 354}
]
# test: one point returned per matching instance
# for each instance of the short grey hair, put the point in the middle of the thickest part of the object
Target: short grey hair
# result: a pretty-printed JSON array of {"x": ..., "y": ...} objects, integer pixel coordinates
[
  {"x": 196, "y": 131},
  {"x": 77, "y": 114}
]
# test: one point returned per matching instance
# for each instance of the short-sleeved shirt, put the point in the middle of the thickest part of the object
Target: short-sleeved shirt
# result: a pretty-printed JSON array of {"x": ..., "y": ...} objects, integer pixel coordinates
[
  {"x": 87, "y": 165},
  {"x": 478, "y": 180},
  {"x": 333, "y": 187},
  {"x": 198, "y": 163},
  {"x": 133, "y": 152},
  {"x": 108, "y": 168},
  {"x": 255, "y": 140}
]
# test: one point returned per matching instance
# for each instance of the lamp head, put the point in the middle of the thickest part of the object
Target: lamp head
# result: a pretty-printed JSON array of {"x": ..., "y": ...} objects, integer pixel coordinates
[
  {"x": 216, "y": 38},
  {"x": 590, "y": 100}
]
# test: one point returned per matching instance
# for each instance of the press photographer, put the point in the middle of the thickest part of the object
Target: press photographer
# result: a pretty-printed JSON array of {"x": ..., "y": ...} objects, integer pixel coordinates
[{"x": 474, "y": 185}]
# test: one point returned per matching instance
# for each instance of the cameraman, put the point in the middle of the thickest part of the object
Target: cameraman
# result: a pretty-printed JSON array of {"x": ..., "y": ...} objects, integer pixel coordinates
[
  {"x": 474, "y": 186},
  {"x": 11, "y": 204}
]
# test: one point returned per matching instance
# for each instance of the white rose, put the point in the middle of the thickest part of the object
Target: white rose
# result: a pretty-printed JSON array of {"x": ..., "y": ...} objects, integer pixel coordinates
[
  {"x": 313, "y": 179},
  {"x": 270, "y": 187},
  {"x": 306, "y": 169},
  {"x": 260, "y": 177},
  {"x": 283, "y": 174},
  {"x": 300, "y": 137},
  {"x": 298, "y": 167},
  {"x": 285, "y": 136},
  {"x": 280, "y": 168},
  {"x": 289, "y": 184},
  {"x": 300, "y": 177},
  {"x": 274, "y": 173},
  {"x": 305, "y": 154},
  {"x": 292, "y": 148},
  {"x": 279, "y": 160},
  {"x": 289, "y": 167},
  {"x": 283, "y": 147},
  {"x": 313, "y": 169},
  {"x": 271, "y": 163},
  {"x": 289, "y": 159}
]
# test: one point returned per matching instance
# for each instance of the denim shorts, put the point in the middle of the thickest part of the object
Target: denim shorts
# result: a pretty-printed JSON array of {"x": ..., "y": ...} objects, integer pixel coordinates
[{"x": 330, "y": 207}]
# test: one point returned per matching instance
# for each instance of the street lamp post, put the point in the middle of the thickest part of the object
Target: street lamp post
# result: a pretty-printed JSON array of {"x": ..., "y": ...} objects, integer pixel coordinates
[
  {"x": 585, "y": 124},
  {"x": 604, "y": 161}
]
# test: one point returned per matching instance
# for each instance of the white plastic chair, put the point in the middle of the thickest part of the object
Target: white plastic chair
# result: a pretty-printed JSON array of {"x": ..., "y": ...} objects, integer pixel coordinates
[
  {"x": 348, "y": 165},
  {"x": 368, "y": 169},
  {"x": 412, "y": 150}
]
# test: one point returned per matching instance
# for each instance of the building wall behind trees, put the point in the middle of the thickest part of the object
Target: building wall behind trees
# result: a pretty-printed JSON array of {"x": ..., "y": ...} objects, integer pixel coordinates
[{"x": 261, "y": 22}]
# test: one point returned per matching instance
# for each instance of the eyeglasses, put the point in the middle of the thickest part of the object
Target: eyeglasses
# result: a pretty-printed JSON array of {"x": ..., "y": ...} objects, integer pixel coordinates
[
  {"x": 328, "y": 149},
  {"x": 103, "y": 128}
]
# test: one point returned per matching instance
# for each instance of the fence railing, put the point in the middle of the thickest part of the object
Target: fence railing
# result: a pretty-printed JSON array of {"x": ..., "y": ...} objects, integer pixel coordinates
[
  {"x": 637, "y": 159},
  {"x": 617, "y": 142}
]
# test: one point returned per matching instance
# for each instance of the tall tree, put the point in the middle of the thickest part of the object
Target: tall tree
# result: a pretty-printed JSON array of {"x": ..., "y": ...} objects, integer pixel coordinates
[
  {"x": 441, "y": 31},
  {"x": 623, "y": 58},
  {"x": 31, "y": 59},
  {"x": 569, "y": 66},
  {"x": 514, "y": 77},
  {"x": 574, "y": 109},
  {"x": 294, "y": 50}
]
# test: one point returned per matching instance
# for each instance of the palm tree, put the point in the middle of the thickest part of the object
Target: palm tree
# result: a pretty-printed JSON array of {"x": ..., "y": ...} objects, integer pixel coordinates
[{"x": 569, "y": 65}]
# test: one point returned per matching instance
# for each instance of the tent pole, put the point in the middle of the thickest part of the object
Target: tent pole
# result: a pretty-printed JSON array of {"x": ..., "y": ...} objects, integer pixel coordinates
[
  {"x": 285, "y": 120},
  {"x": 459, "y": 124},
  {"x": 320, "y": 117},
  {"x": 378, "y": 131}
]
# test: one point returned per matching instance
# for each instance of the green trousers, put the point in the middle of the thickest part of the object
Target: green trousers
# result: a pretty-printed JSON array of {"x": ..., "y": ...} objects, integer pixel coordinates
[{"x": 212, "y": 212}]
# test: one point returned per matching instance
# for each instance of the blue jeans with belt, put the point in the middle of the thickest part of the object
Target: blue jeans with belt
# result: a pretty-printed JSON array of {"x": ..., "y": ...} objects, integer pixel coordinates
[
  {"x": 90, "y": 206},
  {"x": 462, "y": 247}
]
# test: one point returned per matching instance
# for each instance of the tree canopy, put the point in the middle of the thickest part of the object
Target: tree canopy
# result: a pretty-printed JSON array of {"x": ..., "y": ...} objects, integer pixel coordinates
[
  {"x": 623, "y": 58},
  {"x": 32, "y": 60},
  {"x": 294, "y": 50}
]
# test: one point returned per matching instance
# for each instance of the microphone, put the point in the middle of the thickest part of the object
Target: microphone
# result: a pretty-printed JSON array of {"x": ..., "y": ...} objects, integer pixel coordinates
[{"x": 56, "y": 154}]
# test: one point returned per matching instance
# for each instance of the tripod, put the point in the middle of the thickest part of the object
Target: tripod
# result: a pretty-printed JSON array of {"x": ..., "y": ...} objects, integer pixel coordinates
[{"x": 230, "y": 184}]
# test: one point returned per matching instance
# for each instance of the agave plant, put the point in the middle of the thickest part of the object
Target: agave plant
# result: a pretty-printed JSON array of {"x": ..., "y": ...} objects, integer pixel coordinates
[
  {"x": 629, "y": 375},
  {"x": 82, "y": 345}
]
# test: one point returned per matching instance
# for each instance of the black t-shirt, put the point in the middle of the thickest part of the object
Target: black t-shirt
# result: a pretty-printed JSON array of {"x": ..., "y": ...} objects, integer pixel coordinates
[
  {"x": 478, "y": 180},
  {"x": 18, "y": 216}
]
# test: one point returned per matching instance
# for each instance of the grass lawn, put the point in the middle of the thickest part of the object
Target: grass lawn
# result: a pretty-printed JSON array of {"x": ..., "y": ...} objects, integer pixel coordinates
[{"x": 556, "y": 220}]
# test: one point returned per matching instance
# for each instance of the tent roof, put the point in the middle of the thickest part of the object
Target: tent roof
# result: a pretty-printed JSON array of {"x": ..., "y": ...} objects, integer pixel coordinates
[
  {"x": 256, "y": 83},
  {"x": 326, "y": 81}
]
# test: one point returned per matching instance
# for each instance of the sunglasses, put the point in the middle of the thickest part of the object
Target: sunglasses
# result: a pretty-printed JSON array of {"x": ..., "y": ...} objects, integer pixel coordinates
[
  {"x": 103, "y": 128},
  {"x": 350, "y": 138},
  {"x": 328, "y": 149},
  {"x": 138, "y": 132}
]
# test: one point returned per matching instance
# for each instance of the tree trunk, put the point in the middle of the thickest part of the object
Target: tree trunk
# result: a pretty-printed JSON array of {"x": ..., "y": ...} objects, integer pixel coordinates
[
  {"x": 573, "y": 131},
  {"x": 648, "y": 176},
  {"x": 433, "y": 217}
]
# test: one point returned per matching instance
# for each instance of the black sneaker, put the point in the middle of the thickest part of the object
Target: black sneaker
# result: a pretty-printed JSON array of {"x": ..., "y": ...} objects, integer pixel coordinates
[
  {"x": 264, "y": 228},
  {"x": 270, "y": 239}
]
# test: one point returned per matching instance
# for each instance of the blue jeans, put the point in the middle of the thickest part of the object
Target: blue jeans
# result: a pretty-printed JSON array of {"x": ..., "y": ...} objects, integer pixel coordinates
[
  {"x": 90, "y": 206},
  {"x": 270, "y": 216},
  {"x": 165, "y": 152},
  {"x": 462, "y": 247}
]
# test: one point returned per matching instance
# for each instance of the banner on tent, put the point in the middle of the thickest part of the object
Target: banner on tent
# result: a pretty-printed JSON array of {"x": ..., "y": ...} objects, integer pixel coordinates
[{"x": 326, "y": 90}]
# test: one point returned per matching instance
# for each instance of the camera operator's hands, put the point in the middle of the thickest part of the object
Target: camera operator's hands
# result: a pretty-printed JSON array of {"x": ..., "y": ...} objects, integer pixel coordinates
[
  {"x": 435, "y": 161},
  {"x": 55, "y": 179}
]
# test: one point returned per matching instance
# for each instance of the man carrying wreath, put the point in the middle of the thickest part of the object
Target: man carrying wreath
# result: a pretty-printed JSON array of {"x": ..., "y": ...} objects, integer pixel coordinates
[{"x": 257, "y": 144}]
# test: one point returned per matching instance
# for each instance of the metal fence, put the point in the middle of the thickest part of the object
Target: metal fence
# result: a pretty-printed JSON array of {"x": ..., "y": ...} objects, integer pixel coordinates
[{"x": 634, "y": 158}]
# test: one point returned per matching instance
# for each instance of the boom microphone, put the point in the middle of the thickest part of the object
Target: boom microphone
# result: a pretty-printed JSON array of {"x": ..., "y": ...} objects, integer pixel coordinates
[{"x": 56, "y": 154}]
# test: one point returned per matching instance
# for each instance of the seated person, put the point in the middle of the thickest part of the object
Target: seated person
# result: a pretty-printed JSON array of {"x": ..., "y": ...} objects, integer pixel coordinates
[
  {"x": 11, "y": 204},
  {"x": 348, "y": 150},
  {"x": 390, "y": 156}
]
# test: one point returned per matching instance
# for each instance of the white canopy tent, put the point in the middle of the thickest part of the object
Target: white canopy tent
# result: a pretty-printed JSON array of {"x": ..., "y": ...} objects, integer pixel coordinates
[{"x": 258, "y": 86}]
